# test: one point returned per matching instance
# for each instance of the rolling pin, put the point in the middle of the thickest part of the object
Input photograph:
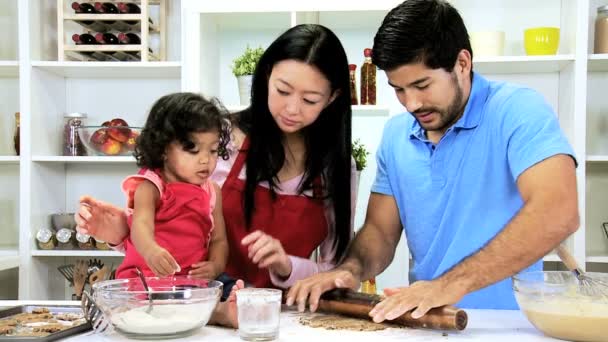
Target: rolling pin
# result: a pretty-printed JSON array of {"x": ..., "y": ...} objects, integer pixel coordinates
[{"x": 356, "y": 304}]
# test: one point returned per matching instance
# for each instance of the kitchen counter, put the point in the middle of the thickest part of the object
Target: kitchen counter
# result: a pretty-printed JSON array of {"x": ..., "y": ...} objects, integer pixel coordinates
[{"x": 484, "y": 325}]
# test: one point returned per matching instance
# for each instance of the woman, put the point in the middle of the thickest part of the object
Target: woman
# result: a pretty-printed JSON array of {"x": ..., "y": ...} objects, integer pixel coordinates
[{"x": 287, "y": 185}]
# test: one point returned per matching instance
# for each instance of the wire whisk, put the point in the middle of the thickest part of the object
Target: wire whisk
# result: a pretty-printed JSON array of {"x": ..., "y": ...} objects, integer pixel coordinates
[{"x": 588, "y": 286}]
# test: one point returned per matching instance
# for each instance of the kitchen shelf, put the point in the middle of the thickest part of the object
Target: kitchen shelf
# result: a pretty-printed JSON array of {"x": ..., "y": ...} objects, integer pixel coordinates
[
  {"x": 9, "y": 160},
  {"x": 598, "y": 62},
  {"x": 602, "y": 259},
  {"x": 75, "y": 253},
  {"x": 84, "y": 160},
  {"x": 120, "y": 70},
  {"x": 9, "y": 68},
  {"x": 9, "y": 259},
  {"x": 597, "y": 158},
  {"x": 521, "y": 64},
  {"x": 551, "y": 258}
]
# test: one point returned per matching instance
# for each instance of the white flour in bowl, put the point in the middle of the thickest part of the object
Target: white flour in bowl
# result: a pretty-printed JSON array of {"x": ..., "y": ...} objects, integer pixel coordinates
[{"x": 163, "y": 319}]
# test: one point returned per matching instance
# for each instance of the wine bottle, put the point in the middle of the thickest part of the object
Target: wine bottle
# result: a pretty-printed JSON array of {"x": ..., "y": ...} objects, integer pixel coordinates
[
  {"x": 131, "y": 8},
  {"x": 106, "y": 7},
  {"x": 84, "y": 39},
  {"x": 128, "y": 7},
  {"x": 83, "y": 7},
  {"x": 130, "y": 38},
  {"x": 106, "y": 38}
]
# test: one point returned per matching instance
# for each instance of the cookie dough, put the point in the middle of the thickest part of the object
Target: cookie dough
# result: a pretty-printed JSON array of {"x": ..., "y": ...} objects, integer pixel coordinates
[{"x": 337, "y": 322}]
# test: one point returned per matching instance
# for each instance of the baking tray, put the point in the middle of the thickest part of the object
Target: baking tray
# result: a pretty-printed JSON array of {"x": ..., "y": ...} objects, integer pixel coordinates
[{"x": 54, "y": 309}]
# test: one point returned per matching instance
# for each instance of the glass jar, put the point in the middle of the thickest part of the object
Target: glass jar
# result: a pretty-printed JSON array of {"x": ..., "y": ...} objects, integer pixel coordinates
[
  {"x": 66, "y": 238},
  {"x": 369, "y": 286},
  {"x": 368, "y": 79},
  {"x": 72, "y": 146},
  {"x": 45, "y": 239},
  {"x": 353, "y": 84},
  {"x": 601, "y": 30},
  {"x": 101, "y": 245},
  {"x": 17, "y": 136},
  {"x": 84, "y": 241}
]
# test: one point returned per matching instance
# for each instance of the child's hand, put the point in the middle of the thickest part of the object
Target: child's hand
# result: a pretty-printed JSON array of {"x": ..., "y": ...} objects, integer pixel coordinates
[
  {"x": 161, "y": 262},
  {"x": 205, "y": 270}
]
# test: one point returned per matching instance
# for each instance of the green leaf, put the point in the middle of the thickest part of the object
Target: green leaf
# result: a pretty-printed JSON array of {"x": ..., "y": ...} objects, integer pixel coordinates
[{"x": 245, "y": 64}]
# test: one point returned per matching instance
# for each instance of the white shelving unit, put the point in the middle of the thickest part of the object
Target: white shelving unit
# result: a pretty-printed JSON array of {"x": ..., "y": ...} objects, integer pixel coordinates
[
  {"x": 35, "y": 82},
  {"x": 76, "y": 253},
  {"x": 203, "y": 37}
]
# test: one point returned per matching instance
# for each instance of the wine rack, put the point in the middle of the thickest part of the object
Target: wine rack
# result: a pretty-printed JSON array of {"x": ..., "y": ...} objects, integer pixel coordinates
[{"x": 94, "y": 23}]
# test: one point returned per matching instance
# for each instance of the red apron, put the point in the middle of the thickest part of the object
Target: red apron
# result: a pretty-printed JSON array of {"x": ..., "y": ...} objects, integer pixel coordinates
[
  {"x": 297, "y": 221},
  {"x": 182, "y": 225}
]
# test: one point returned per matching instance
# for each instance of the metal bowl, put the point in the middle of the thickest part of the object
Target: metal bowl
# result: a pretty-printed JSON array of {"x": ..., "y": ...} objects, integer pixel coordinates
[
  {"x": 556, "y": 304},
  {"x": 180, "y": 305},
  {"x": 63, "y": 220}
]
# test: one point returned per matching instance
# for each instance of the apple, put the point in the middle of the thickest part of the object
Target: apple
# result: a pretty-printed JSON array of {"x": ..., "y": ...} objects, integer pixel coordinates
[
  {"x": 132, "y": 141},
  {"x": 119, "y": 130},
  {"x": 106, "y": 124},
  {"x": 111, "y": 147},
  {"x": 99, "y": 137}
]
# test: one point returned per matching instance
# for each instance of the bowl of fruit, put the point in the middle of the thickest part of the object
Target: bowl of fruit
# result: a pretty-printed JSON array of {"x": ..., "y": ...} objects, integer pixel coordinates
[{"x": 112, "y": 138}]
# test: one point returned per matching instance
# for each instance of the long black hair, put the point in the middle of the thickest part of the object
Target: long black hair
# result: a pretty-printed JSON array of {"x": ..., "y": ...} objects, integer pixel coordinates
[
  {"x": 327, "y": 140},
  {"x": 427, "y": 31},
  {"x": 175, "y": 117}
]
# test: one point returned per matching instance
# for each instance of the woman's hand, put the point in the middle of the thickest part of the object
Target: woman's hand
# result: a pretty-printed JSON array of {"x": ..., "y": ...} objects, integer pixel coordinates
[
  {"x": 267, "y": 252},
  {"x": 101, "y": 220}
]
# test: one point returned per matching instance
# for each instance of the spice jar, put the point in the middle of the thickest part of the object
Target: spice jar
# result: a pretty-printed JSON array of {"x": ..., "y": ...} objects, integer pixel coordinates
[
  {"x": 45, "y": 239},
  {"x": 65, "y": 238},
  {"x": 368, "y": 79},
  {"x": 353, "y": 84},
  {"x": 369, "y": 286},
  {"x": 601, "y": 30},
  {"x": 101, "y": 245},
  {"x": 17, "y": 136},
  {"x": 84, "y": 241},
  {"x": 72, "y": 146}
]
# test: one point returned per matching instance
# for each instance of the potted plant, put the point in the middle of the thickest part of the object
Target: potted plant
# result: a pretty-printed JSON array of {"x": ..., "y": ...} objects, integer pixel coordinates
[
  {"x": 243, "y": 68},
  {"x": 360, "y": 154}
]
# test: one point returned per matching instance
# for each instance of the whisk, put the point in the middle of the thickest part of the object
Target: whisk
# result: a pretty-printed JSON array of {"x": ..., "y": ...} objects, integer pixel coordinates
[
  {"x": 92, "y": 312},
  {"x": 589, "y": 286}
]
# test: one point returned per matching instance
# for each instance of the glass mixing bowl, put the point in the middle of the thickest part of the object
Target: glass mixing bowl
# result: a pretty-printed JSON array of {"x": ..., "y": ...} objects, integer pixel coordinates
[
  {"x": 180, "y": 305},
  {"x": 556, "y": 304}
]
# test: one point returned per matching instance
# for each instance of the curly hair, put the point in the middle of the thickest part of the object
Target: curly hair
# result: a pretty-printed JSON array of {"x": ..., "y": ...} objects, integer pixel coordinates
[{"x": 175, "y": 117}]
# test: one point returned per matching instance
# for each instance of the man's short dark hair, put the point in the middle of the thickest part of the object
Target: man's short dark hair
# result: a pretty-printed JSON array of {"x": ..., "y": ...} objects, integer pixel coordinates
[{"x": 427, "y": 31}]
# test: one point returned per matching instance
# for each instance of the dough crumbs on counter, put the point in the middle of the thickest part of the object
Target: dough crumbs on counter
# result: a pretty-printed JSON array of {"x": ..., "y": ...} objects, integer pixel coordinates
[{"x": 336, "y": 322}]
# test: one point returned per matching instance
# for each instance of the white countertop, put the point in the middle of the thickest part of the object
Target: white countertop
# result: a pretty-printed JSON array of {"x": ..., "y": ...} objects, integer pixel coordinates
[{"x": 484, "y": 325}]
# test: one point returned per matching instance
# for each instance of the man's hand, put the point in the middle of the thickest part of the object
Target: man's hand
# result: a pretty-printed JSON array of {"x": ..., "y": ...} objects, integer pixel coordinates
[
  {"x": 204, "y": 270},
  {"x": 267, "y": 252},
  {"x": 160, "y": 261},
  {"x": 421, "y": 295},
  {"x": 310, "y": 289}
]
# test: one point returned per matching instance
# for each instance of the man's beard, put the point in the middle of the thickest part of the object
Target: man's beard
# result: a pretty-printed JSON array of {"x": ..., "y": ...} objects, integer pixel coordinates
[{"x": 448, "y": 116}]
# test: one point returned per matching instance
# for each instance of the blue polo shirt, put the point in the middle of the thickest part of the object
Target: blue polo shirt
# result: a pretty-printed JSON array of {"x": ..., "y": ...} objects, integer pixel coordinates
[{"x": 457, "y": 195}]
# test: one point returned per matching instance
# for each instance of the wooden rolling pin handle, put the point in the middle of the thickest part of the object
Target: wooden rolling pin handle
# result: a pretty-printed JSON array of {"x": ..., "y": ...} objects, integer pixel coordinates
[
  {"x": 443, "y": 318},
  {"x": 355, "y": 304}
]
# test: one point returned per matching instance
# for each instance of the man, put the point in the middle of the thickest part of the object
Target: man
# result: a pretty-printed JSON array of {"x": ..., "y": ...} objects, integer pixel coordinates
[{"x": 478, "y": 173}]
